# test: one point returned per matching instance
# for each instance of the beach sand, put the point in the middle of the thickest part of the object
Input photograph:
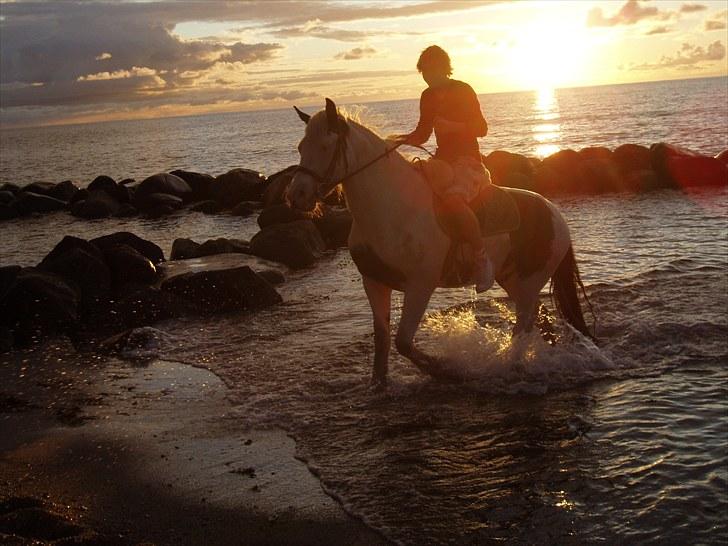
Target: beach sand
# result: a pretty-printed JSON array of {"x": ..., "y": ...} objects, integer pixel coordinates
[{"x": 100, "y": 451}]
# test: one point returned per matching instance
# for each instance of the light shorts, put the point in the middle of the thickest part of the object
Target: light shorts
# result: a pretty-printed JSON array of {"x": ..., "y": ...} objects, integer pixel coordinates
[{"x": 470, "y": 177}]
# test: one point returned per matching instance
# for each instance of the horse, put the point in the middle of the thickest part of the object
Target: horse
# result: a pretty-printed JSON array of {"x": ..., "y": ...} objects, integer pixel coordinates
[{"x": 398, "y": 244}]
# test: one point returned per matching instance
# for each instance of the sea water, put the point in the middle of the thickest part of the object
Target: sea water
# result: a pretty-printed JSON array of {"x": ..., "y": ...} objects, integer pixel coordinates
[{"x": 622, "y": 441}]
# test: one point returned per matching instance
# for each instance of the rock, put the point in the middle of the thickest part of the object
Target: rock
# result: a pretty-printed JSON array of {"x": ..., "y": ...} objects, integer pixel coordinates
[
  {"x": 238, "y": 185},
  {"x": 279, "y": 214},
  {"x": 29, "y": 202},
  {"x": 64, "y": 190},
  {"x": 681, "y": 168},
  {"x": 8, "y": 212},
  {"x": 67, "y": 244},
  {"x": 640, "y": 181},
  {"x": 146, "y": 248},
  {"x": 80, "y": 195},
  {"x": 502, "y": 165},
  {"x": 98, "y": 204},
  {"x": 6, "y": 197},
  {"x": 334, "y": 225},
  {"x": 631, "y": 157},
  {"x": 103, "y": 183},
  {"x": 599, "y": 175},
  {"x": 207, "y": 207},
  {"x": 12, "y": 188},
  {"x": 139, "y": 305},
  {"x": 183, "y": 249},
  {"x": 723, "y": 156},
  {"x": 273, "y": 276},
  {"x": 244, "y": 208},
  {"x": 564, "y": 175},
  {"x": 39, "y": 188},
  {"x": 596, "y": 152},
  {"x": 81, "y": 269},
  {"x": 296, "y": 244},
  {"x": 161, "y": 183},
  {"x": 38, "y": 304},
  {"x": 519, "y": 180},
  {"x": 128, "y": 265},
  {"x": 201, "y": 184},
  {"x": 276, "y": 186},
  {"x": 157, "y": 204},
  {"x": 223, "y": 290},
  {"x": 126, "y": 210},
  {"x": 6, "y": 339},
  {"x": 8, "y": 274}
]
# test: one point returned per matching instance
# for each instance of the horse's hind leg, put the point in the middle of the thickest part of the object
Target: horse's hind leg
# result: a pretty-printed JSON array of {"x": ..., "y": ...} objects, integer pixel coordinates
[{"x": 380, "y": 297}]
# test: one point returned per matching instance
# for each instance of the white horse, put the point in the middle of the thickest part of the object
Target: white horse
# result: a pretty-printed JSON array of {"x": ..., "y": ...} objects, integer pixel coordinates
[{"x": 397, "y": 243}]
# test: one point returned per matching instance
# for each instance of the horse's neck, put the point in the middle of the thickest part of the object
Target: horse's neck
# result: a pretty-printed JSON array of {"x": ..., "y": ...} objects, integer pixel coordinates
[{"x": 386, "y": 194}]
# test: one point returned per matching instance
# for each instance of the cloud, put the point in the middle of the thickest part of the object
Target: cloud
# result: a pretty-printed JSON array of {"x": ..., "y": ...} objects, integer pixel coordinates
[
  {"x": 356, "y": 53},
  {"x": 719, "y": 21},
  {"x": 658, "y": 30},
  {"x": 103, "y": 56},
  {"x": 629, "y": 14},
  {"x": 691, "y": 8},
  {"x": 688, "y": 55},
  {"x": 316, "y": 29},
  {"x": 135, "y": 72}
]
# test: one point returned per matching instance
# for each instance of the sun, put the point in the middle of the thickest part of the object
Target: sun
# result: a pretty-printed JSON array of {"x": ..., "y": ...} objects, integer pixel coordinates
[{"x": 549, "y": 53}]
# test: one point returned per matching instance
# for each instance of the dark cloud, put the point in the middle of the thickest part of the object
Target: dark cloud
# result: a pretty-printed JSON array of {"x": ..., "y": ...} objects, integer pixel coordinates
[
  {"x": 689, "y": 55},
  {"x": 691, "y": 8},
  {"x": 658, "y": 30},
  {"x": 630, "y": 13},
  {"x": 356, "y": 53},
  {"x": 715, "y": 25},
  {"x": 318, "y": 30}
]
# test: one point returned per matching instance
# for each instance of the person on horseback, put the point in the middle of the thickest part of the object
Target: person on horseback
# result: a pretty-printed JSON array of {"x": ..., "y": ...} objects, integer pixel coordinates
[{"x": 451, "y": 108}]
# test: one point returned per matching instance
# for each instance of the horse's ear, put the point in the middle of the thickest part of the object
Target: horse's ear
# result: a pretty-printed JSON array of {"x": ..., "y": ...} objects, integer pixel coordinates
[
  {"x": 332, "y": 116},
  {"x": 303, "y": 115}
]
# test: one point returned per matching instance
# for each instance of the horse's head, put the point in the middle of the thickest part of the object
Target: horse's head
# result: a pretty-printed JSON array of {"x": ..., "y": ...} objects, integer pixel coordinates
[{"x": 323, "y": 157}]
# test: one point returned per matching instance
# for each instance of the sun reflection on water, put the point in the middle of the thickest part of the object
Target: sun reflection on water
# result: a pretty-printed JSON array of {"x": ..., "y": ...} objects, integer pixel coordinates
[{"x": 546, "y": 130}]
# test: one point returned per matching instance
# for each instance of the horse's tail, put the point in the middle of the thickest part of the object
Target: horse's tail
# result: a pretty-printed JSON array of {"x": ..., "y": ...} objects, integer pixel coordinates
[{"x": 565, "y": 280}]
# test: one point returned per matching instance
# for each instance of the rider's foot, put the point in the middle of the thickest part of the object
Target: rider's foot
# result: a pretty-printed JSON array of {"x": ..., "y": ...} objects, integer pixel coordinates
[{"x": 484, "y": 276}]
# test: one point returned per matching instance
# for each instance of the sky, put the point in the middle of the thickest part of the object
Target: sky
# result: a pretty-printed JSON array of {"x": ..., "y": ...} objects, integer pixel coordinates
[{"x": 74, "y": 62}]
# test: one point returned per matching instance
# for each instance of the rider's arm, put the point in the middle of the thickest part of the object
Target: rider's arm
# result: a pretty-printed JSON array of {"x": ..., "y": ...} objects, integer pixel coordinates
[{"x": 425, "y": 125}]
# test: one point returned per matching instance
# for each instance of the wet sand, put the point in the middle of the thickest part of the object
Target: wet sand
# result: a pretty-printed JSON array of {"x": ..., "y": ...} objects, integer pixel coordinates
[{"x": 107, "y": 452}]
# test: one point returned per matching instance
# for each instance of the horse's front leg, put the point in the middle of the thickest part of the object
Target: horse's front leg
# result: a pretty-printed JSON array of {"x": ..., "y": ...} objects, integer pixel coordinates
[{"x": 380, "y": 298}]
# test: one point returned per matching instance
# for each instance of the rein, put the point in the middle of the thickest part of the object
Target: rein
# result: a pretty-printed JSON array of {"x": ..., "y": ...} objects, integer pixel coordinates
[{"x": 327, "y": 183}]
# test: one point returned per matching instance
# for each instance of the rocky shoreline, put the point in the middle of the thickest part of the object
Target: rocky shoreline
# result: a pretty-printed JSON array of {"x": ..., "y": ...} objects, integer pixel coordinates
[{"x": 97, "y": 289}]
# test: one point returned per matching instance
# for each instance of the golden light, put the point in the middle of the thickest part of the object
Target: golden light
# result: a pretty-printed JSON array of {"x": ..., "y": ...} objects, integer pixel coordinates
[{"x": 548, "y": 53}]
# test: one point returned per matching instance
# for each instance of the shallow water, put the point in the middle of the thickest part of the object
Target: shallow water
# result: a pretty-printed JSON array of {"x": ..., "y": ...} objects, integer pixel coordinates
[{"x": 622, "y": 442}]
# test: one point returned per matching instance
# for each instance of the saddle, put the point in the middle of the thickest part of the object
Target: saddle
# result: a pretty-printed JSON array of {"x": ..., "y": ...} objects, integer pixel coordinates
[{"x": 495, "y": 209}]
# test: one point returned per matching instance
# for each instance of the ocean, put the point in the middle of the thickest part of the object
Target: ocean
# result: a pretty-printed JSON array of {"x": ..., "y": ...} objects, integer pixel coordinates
[{"x": 574, "y": 443}]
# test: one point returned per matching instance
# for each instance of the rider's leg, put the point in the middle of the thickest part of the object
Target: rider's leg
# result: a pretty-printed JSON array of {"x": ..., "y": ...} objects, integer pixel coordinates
[{"x": 465, "y": 227}]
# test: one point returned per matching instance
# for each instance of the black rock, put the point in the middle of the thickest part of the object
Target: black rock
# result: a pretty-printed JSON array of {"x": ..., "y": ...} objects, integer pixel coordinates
[
  {"x": 64, "y": 191},
  {"x": 238, "y": 185},
  {"x": 146, "y": 248},
  {"x": 98, "y": 204},
  {"x": 6, "y": 197},
  {"x": 201, "y": 184},
  {"x": 207, "y": 207},
  {"x": 279, "y": 214},
  {"x": 161, "y": 183},
  {"x": 29, "y": 202},
  {"x": 296, "y": 244},
  {"x": 127, "y": 265},
  {"x": 223, "y": 290}
]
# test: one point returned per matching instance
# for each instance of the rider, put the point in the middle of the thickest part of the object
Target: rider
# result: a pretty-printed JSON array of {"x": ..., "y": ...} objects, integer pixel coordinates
[{"x": 451, "y": 108}]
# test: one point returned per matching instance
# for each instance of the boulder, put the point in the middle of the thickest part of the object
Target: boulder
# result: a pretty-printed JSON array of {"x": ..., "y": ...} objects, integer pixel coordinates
[
  {"x": 207, "y": 207},
  {"x": 723, "y": 156},
  {"x": 40, "y": 188},
  {"x": 6, "y": 197},
  {"x": 146, "y": 248},
  {"x": 640, "y": 181},
  {"x": 12, "y": 188},
  {"x": 631, "y": 157},
  {"x": 296, "y": 244},
  {"x": 200, "y": 184},
  {"x": 161, "y": 183},
  {"x": 503, "y": 165},
  {"x": 8, "y": 212},
  {"x": 564, "y": 175},
  {"x": 596, "y": 152},
  {"x": 67, "y": 244},
  {"x": 28, "y": 202},
  {"x": 244, "y": 208},
  {"x": 223, "y": 290},
  {"x": 279, "y": 214},
  {"x": 98, "y": 204},
  {"x": 127, "y": 265},
  {"x": 276, "y": 186},
  {"x": 334, "y": 225},
  {"x": 238, "y": 185},
  {"x": 8, "y": 275},
  {"x": 80, "y": 195},
  {"x": 599, "y": 175},
  {"x": 64, "y": 190},
  {"x": 183, "y": 249},
  {"x": 682, "y": 168},
  {"x": 138, "y": 305},
  {"x": 157, "y": 204},
  {"x": 81, "y": 269},
  {"x": 103, "y": 183},
  {"x": 38, "y": 304},
  {"x": 273, "y": 276},
  {"x": 126, "y": 210},
  {"x": 520, "y": 180}
]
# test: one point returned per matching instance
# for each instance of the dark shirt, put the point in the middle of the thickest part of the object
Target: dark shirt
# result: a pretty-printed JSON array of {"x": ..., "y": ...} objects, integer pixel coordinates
[{"x": 453, "y": 101}]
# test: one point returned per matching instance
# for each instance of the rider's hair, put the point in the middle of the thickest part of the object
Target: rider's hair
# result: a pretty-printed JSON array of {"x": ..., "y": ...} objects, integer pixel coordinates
[{"x": 436, "y": 58}]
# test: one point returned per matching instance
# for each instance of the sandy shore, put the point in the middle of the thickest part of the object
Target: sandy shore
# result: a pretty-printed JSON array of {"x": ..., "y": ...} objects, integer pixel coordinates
[{"x": 99, "y": 451}]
